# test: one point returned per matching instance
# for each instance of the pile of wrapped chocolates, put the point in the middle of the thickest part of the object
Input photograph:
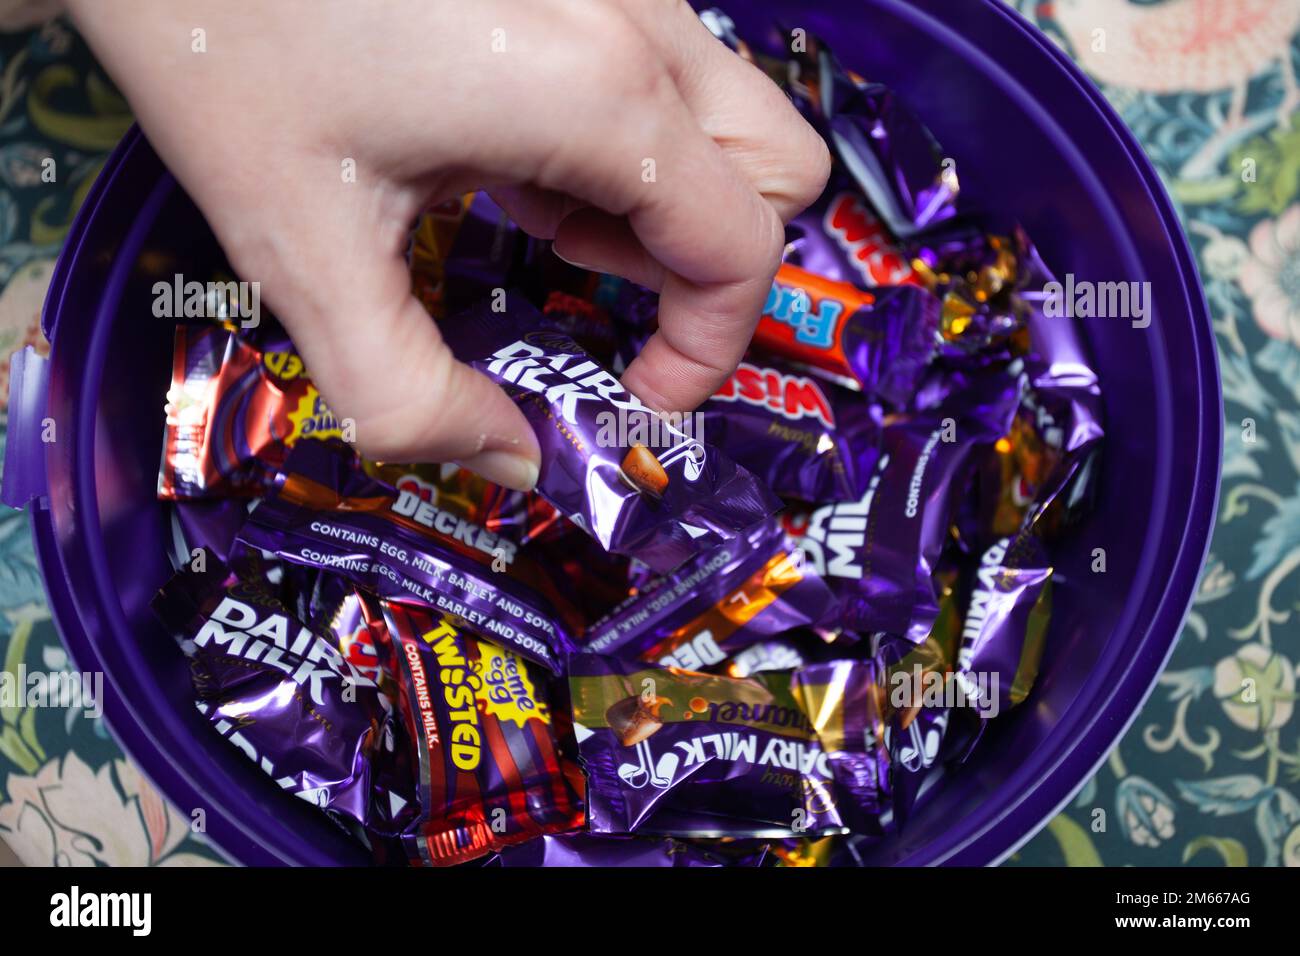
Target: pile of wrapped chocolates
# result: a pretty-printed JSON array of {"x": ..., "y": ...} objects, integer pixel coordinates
[{"x": 752, "y": 635}]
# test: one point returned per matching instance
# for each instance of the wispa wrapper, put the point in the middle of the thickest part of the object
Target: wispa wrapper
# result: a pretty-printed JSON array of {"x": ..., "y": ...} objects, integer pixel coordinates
[
  {"x": 485, "y": 745},
  {"x": 717, "y": 604},
  {"x": 806, "y": 439},
  {"x": 238, "y": 402},
  {"x": 638, "y": 484},
  {"x": 286, "y": 697},
  {"x": 879, "y": 554},
  {"x": 691, "y": 754},
  {"x": 840, "y": 238},
  {"x": 330, "y": 515}
]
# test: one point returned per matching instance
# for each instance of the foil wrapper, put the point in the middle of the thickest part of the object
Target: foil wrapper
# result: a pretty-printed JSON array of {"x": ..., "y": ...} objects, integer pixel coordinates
[
  {"x": 689, "y": 754},
  {"x": 329, "y": 515},
  {"x": 287, "y": 698},
  {"x": 880, "y": 554},
  {"x": 490, "y": 769},
  {"x": 807, "y": 440},
  {"x": 716, "y": 605},
  {"x": 639, "y": 484},
  {"x": 238, "y": 402}
]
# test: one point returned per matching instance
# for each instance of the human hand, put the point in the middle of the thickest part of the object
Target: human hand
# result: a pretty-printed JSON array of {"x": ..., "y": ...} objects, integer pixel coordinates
[{"x": 559, "y": 108}]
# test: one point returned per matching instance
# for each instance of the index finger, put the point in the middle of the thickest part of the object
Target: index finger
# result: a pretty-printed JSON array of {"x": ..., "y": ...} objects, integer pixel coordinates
[{"x": 720, "y": 243}]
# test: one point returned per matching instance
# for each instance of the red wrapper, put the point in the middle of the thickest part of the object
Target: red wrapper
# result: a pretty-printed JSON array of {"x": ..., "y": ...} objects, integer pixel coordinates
[
  {"x": 490, "y": 770},
  {"x": 879, "y": 342},
  {"x": 235, "y": 408}
]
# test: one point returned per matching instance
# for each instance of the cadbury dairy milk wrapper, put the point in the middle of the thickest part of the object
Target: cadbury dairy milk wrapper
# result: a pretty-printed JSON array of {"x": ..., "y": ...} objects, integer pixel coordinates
[
  {"x": 879, "y": 554},
  {"x": 691, "y": 754},
  {"x": 808, "y": 440},
  {"x": 330, "y": 515},
  {"x": 238, "y": 402},
  {"x": 490, "y": 770},
  {"x": 716, "y": 604},
  {"x": 286, "y": 697},
  {"x": 639, "y": 484},
  {"x": 1007, "y": 613}
]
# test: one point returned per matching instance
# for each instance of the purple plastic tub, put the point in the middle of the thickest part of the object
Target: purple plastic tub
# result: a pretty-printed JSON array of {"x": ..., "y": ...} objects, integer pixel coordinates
[{"x": 1030, "y": 134}]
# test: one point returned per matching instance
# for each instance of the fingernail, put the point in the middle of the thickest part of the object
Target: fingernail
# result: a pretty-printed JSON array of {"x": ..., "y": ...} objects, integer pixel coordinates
[
  {"x": 573, "y": 262},
  {"x": 505, "y": 468}
]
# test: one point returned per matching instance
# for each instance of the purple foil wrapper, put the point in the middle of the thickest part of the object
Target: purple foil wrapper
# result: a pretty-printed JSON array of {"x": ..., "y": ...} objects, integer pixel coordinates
[
  {"x": 842, "y": 238},
  {"x": 844, "y": 701},
  {"x": 808, "y": 440},
  {"x": 284, "y": 695},
  {"x": 329, "y": 515},
  {"x": 1006, "y": 624},
  {"x": 789, "y": 651},
  {"x": 210, "y": 524},
  {"x": 640, "y": 485},
  {"x": 879, "y": 554},
  {"x": 882, "y": 144},
  {"x": 689, "y": 754},
  {"x": 716, "y": 604},
  {"x": 483, "y": 253}
]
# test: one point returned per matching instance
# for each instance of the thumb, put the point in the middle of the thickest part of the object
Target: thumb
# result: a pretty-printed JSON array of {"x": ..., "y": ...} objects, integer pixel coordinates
[{"x": 377, "y": 356}]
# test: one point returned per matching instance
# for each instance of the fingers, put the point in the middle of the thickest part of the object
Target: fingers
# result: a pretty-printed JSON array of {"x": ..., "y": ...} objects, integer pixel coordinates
[
  {"x": 599, "y": 241},
  {"x": 719, "y": 243},
  {"x": 536, "y": 211},
  {"x": 343, "y": 293},
  {"x": 739, "y": 107},
  {"x": 729, "y": 160}
]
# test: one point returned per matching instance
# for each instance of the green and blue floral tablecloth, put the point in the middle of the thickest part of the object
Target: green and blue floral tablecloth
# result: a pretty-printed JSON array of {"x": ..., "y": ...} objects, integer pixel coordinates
[{"x": 1206, "y": 775}]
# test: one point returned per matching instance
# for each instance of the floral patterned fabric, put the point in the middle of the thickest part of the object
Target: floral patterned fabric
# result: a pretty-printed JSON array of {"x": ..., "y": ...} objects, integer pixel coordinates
[{"x": 1210, "y": 771}]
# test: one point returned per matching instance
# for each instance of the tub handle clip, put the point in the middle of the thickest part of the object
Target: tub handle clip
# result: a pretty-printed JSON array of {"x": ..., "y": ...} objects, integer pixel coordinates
[{"x": 24, "y": 464}]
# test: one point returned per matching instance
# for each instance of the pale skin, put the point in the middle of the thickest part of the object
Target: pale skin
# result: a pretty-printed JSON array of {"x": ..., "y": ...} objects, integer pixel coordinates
[{"x": 619, "y": 128}]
